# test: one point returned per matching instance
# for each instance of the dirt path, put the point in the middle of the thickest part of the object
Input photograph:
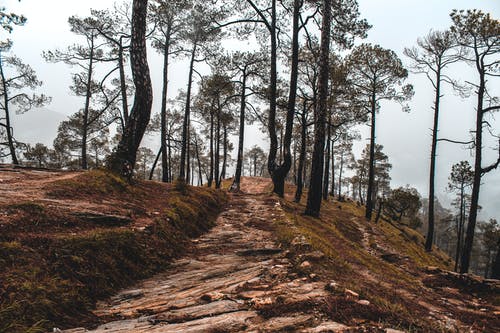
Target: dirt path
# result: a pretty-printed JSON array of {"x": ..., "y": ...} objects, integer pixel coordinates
[
  {"x": 20, "y": 184},
  {"x": 235, "y": 279}
]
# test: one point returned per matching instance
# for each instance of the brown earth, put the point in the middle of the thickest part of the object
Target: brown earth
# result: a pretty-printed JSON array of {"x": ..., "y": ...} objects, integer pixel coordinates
[
  {"x": 68, "y": 239},
  {"x": 239, "y": 278},
  {"x": 263, "y": 268}
]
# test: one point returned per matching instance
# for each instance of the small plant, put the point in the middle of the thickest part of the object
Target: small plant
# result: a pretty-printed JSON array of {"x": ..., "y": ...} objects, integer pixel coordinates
[{"x": 181, "y": 186}]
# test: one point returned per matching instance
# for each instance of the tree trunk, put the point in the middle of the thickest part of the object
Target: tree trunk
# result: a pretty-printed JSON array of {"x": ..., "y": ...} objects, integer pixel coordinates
[
  {"x": 188, "y": 153},
  {"x": 341, "y": 167},
  {"x": 224, "y": 154},
  {"x": 326, "y": 176},
  {"x": 294, "y": 162},
  {"x": 255, "y": 166},
  {"x": 8, "y": 127},
  {"x": 200, "y": 176},
  {"x": 488, "y": 264},
  {"x": 495, "y": 269},
  {"x": 235, "y": 187},
  {"x": 271, "y": 126},
  {"x": 430, "y": 229},
  {"x": 315, "y": 187},
  {"x": 123, "y": 161},
  {"x": 163, "y": 114},
  {"x": 371, "y": 169},
  {"x": 169, "y": 160},
  {"x": 217, "y": 150},
  {"x": 360, "y": 191},
  {"x": 88, "y": 95},
  {"x": 185, "y": 123},
  {"x": 460, "y": 228},
  {"x": 379, "y": 210},
  {"x": 332, "y": 191},
  {"x": 153, "y": 167},
  {"x": 211, "y": 176},
  {"x": 279, "y": 172},
  {"x": 471, "y": 225},
  {"x": 123, "y": 86},
  {"x": 302, "y": 156}
]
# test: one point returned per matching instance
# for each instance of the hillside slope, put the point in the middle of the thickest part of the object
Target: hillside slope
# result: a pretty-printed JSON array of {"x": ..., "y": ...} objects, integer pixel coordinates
[
  {"x": 265, "y": 267},
  {"x": 386, "y": 264},
  {"x": 68, "y": 239}
]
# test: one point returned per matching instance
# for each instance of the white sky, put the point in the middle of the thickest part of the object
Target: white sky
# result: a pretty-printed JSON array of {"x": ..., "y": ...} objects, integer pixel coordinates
[{"x": 396, "y": 24}]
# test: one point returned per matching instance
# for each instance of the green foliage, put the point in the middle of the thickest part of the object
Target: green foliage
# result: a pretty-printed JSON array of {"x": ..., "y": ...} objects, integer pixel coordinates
[
  {"x": 38, "y": 153},
  {"x": 377, "y": 74},
  {"x": 403, "y": 202},
  {"x": 7, "y": 20}
]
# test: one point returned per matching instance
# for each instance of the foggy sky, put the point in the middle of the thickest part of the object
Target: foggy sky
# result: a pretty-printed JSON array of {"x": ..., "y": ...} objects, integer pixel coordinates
[{"x": 396, "y": 24}]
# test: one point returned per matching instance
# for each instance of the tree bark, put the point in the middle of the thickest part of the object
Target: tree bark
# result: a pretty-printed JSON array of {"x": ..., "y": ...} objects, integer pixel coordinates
[
  {"x": 341, "y": 167},
  {"x": 188, "y": 153},
  {"x": 302, "y": 155},
  {"x": 379, "y": 210},
  {"x": 432, "y": 173},
  {"x": 170, "y": 173},
  {"x": 314, "y": 195},
  {"x": 8, "y": 127},
  {"x": 123, "y": 160},
  {"x": 200, "y": 176},
  {"x": 88, "y": 95},
  {"x": 185, "y": 123},
  {"x": 153, "y": 167},
  {"x": 163, "y": 114},
  {"x": 279, "y": 172},
  {"x": 460, "y": 228},
  {"x": 224, "y": 153},
  {"x": 211, "y": 175},
  {"x": 471, "y": 225},
  {"x": 495, "y": 269},
  {"x": 371, "y": 167},
  {"x": 273, "y": 148},
  {"x": 326, "y": 176},
  {"x": 123, "y": 86},
  {"x": 332, "y": 190},
  {"x": 235, "y": 187},
  {"x": 217, "y": 149}
]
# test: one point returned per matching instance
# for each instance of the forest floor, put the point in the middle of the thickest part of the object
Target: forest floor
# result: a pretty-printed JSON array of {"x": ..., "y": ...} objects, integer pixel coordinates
[
  {"x": 266, "y": 268},
  {"x": 68, "y": 239}
]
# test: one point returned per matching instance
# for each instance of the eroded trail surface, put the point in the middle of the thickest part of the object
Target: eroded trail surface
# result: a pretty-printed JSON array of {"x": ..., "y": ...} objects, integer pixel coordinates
[{"x": 235, "y": 279}]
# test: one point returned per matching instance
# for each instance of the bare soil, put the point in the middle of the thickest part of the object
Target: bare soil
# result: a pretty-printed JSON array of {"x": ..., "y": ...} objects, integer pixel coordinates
[{"x": 241, "y": 277}]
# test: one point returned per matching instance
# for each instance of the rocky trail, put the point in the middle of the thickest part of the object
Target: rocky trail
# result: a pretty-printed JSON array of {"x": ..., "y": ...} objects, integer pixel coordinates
[{"x": 236, "y": 278}]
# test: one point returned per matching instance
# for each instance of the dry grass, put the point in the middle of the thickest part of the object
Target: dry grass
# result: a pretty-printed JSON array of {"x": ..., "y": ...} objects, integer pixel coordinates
[
  {"x": 55, "y": 266},
  {"x": 383, "y": 262}
]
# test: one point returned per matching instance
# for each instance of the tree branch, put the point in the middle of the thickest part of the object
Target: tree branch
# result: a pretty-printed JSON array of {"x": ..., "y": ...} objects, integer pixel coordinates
[
  {"x": 458, "y": 142},
  {"x": 494, "y": 165}
]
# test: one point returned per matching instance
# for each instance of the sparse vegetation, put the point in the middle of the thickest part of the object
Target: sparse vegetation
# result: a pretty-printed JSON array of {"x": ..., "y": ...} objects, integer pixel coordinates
[
  {"x": 53, "y": 275},
  {"x": 384, "y": 263},
  {"x": 307, "y": 75}
]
